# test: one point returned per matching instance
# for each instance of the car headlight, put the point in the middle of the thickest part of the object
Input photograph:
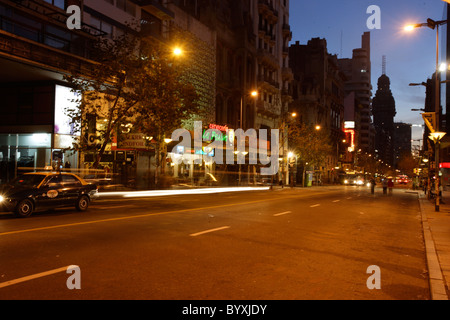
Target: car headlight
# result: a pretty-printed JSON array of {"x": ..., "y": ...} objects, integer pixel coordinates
[
  {"x": 346, "y": 181},
  {"x": 2, "y": 198}
]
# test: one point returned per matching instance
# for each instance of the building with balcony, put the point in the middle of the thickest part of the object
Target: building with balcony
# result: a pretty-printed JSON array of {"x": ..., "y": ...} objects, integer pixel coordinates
[
  {"x": 37, "y": 49},
  {"x": 318, "y": 97},
  {"x": 252, "y": 40}
]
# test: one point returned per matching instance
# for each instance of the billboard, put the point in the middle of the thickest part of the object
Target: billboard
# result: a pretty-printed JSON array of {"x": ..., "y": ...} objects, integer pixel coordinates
[{"x": 65, "y": 99}]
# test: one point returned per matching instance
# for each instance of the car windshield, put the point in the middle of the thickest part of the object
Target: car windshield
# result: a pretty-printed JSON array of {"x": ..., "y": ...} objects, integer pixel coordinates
[{"x": 28, "y": 180}]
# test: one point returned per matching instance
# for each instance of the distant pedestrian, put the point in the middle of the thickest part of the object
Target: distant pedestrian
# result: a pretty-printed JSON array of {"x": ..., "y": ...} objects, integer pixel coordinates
[
  {"x": 390, "y": 186},
  {"x": 385, "y": 186},
  {"x": 372, "y": 185}
]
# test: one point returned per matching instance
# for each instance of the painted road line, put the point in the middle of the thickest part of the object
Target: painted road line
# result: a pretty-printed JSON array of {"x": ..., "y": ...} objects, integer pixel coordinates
[
  {"x": 140, "y": 216},
  {"x": 34, "y": 276},
  {"x": 282, "y": 213},
  {"x": 115, "y": 207},
  {"x": 208, "y": 231},
  {"x": 315, "y": 206},
  {"x": 336, "y": 201}
]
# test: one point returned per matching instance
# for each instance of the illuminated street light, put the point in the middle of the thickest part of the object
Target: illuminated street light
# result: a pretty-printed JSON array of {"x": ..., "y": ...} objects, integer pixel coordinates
[
  {"x": 443, "y": 67},
  {"x": 254, "y": 94},
  {"x": 434, "y": 25},
  {"x": 437, "y": 136},
  {"x": 177, "y": 51}
]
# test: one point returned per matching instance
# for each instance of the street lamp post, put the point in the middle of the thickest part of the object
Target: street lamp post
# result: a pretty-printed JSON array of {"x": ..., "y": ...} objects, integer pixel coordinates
[
  {"x": 432, "y": 24},
  {"x": 436, "y": 137},
  {"x": 254, "y": 95}
]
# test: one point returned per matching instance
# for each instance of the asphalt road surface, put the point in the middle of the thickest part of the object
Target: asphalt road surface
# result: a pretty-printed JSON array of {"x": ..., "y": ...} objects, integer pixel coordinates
[{"x": 284, "y": 244}]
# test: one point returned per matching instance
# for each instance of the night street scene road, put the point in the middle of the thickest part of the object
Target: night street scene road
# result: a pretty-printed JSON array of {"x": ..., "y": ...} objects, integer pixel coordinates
[{"x": 219, "y": 158}]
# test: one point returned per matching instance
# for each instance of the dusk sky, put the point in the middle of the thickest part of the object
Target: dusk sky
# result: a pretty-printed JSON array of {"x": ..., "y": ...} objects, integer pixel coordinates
[{"x": 411, "y": 57}]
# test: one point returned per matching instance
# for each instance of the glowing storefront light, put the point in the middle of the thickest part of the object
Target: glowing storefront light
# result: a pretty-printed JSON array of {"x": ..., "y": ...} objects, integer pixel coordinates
[{"x": 65, "y": 99}]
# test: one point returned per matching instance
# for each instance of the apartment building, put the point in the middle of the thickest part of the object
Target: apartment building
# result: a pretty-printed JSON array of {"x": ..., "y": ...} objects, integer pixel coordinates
[
  {"x": 251, "y": 55},
  {"x": 358, "y": 72},
  {"x": 318, "y": 97},
  {"x": 37, "y": 49},
  {"x": 233, "y": 48}
]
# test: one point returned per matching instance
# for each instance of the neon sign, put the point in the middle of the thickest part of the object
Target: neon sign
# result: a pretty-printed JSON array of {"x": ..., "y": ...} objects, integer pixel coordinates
[{"x": 352, "y": 134}]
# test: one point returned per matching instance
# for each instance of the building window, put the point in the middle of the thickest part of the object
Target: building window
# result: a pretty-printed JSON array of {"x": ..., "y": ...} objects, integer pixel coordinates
[
  {"x": 126, "y": 6},
  {"x": 57, "y": 3},
  {"x": 102, "y": 26}
]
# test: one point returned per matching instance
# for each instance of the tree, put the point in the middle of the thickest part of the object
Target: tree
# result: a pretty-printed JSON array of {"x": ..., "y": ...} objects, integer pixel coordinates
[
  {"x": 310, "y": 145},
  {"x": 135, "y": 83},
  {"x": 407, "y": 163}
]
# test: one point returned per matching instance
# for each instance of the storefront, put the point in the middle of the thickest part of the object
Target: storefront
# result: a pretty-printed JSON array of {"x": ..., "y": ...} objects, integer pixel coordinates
[{"x": 38, "y": 133}]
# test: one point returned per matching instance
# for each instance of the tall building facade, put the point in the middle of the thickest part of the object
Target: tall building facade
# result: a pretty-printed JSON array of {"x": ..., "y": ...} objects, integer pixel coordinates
[
  {"x": 402, "y": 141},
  {"x": 252, "y": 54},
  {"x": 383, "y": 109},
  {"x": 37, "y": 49},
  {"x": 358, "y": 72},
  {"x": 233, "y": 48},
  {"x": 318, "y": 96}
]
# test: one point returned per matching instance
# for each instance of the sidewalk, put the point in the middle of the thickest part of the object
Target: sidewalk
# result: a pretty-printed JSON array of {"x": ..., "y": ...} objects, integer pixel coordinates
[{"x": 436, "y": 230}]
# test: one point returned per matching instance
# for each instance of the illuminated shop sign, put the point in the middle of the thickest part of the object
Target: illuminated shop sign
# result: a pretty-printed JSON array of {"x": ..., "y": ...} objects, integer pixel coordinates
[
  {"x": 210, "y": 135},
  {"x": 352, "y": 139},
  {"x": 65, "y": 100},
  {"x": 349, "y": 124},
  {"x": 132, "y": 141},
  {"x": 206, "y": 151}
]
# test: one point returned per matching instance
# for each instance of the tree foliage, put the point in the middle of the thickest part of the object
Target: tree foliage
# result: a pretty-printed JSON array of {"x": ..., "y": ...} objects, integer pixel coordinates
[
  {"x": 136, "y": 84},
  {"x": 407, "y": 163},
  {"x": 310, "y": 145}
]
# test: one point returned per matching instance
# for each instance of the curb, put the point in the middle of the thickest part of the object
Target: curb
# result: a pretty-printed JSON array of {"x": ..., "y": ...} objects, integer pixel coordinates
[{"x": 436, "y": 279}]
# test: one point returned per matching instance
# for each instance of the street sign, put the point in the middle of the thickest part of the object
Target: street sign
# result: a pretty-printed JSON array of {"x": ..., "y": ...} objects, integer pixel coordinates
[{"x": 430, "y": 120}]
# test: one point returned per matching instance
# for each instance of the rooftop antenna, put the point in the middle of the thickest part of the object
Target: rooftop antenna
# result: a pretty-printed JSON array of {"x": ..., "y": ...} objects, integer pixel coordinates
[
  {"x": 384, "y": 65},
  {"x": 342, "y": 40}
]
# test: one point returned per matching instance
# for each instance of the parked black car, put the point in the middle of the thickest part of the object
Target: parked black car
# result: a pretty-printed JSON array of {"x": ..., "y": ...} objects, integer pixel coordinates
[{"x": 45, "y": 190}]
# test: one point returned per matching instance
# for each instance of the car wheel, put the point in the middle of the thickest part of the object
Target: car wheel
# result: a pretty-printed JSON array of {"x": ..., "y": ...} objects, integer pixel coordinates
[
  {"x": 24, "y": 208},
  {"x": 82, "y": 203}
]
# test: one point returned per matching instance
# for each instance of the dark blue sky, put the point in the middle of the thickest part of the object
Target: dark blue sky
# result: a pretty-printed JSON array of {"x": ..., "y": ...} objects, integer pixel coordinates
[{"x": 411, "y": 57}]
